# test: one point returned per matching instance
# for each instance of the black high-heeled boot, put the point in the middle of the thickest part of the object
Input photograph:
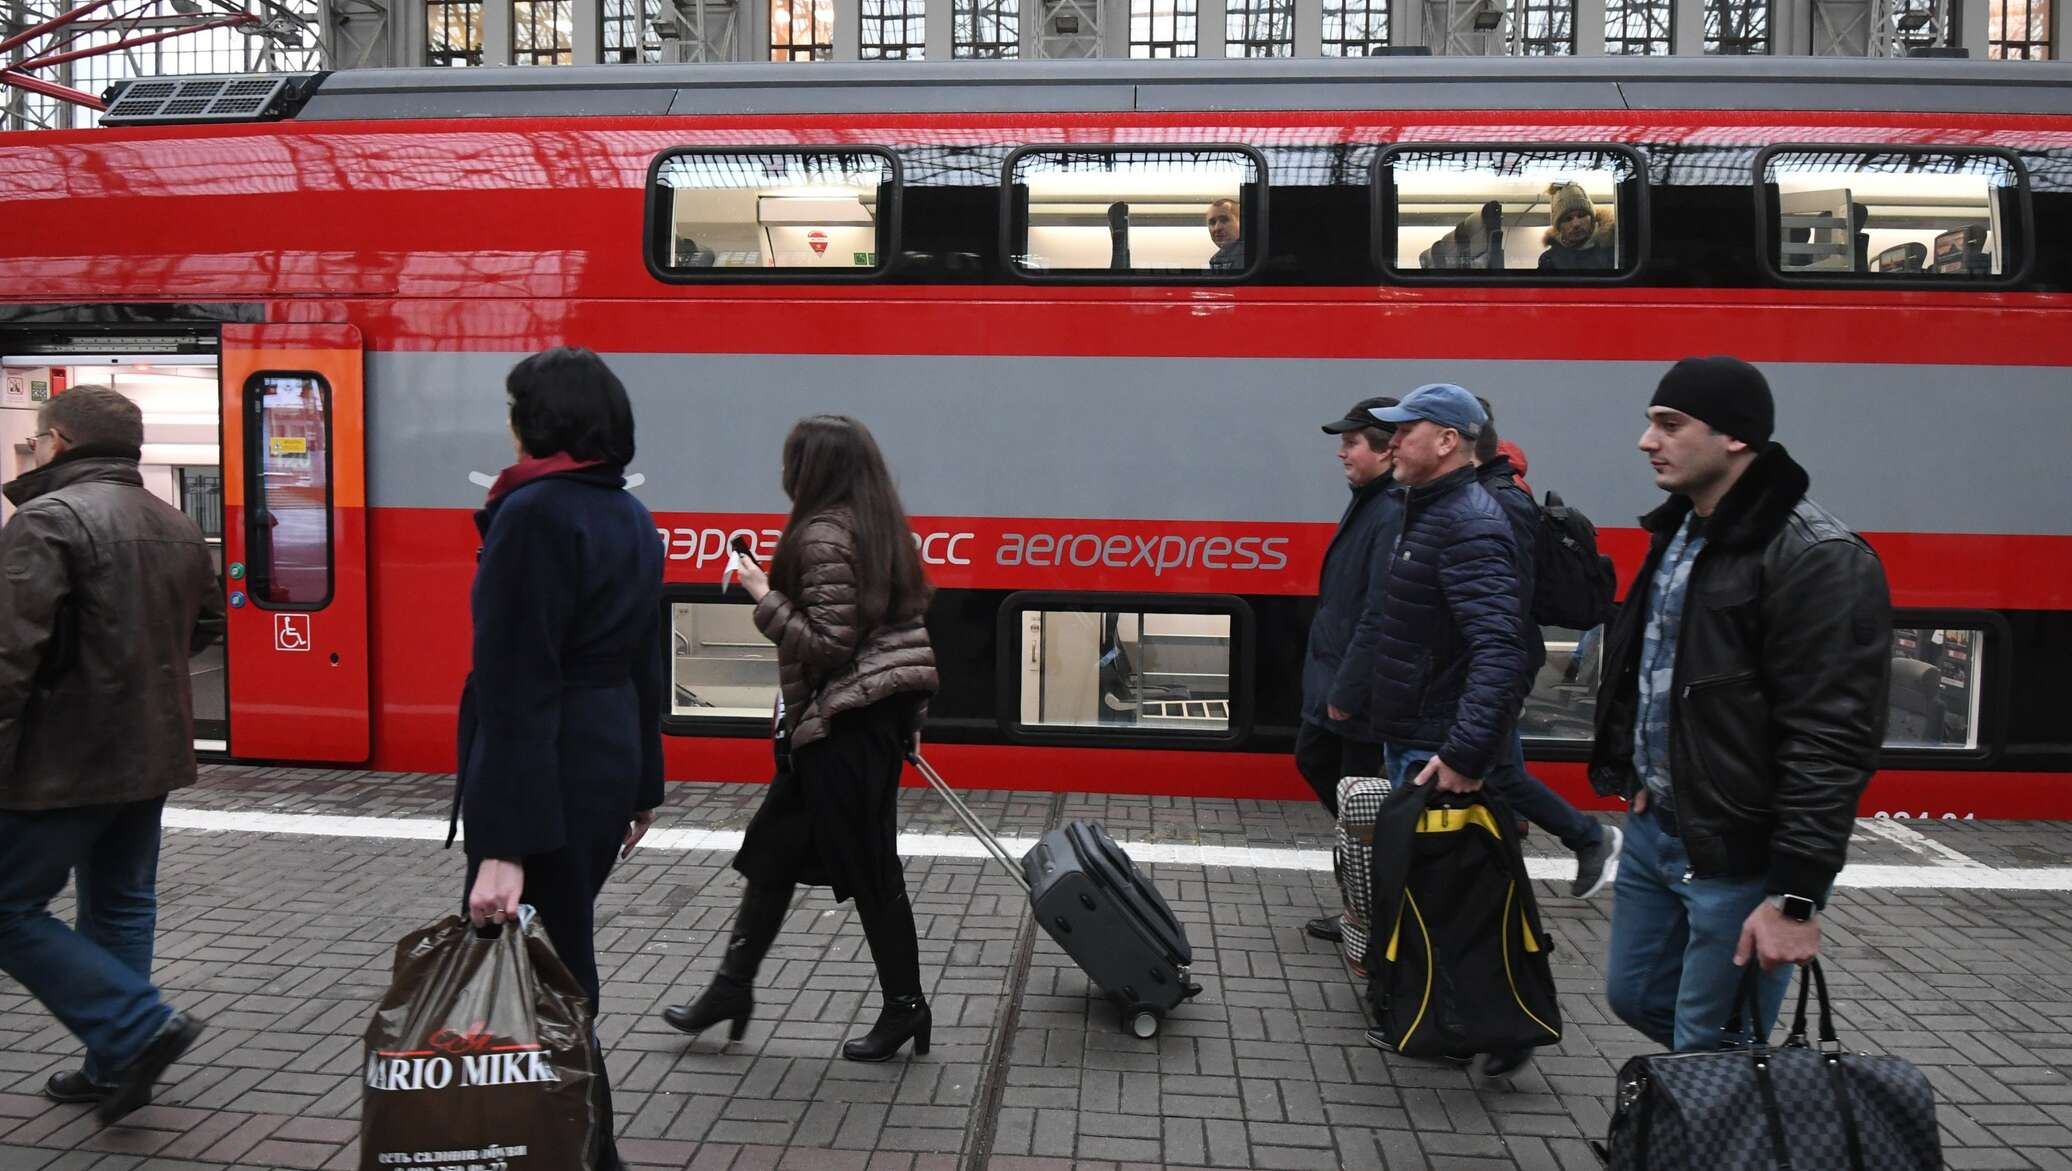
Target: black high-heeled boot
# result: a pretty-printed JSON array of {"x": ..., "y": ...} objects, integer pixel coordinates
[
  {"x": 902, "y": 1019},
  {"x": 731, "y": 997}
]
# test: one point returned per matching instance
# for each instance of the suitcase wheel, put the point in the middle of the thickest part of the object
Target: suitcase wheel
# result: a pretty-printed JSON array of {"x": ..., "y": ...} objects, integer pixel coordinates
[{"x": 1141, "y": 1024}]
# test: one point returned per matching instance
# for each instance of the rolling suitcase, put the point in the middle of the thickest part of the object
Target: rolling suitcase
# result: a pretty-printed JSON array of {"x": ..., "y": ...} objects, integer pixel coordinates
[
  {"x": 1359, "y": 800},
  {"x": 1100, "y": 908}
]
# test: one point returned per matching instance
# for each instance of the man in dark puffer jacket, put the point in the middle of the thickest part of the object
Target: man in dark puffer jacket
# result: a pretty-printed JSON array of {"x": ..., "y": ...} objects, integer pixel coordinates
[{"x": 1451, "y": 661}]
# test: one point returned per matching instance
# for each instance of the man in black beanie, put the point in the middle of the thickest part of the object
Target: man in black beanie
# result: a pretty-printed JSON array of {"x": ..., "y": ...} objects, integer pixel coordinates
[{"x": 1741, "y": 713}]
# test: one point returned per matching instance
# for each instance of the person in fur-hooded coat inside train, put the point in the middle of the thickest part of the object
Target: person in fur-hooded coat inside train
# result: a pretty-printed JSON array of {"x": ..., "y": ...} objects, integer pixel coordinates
[{"x": 1582, "y": 233}]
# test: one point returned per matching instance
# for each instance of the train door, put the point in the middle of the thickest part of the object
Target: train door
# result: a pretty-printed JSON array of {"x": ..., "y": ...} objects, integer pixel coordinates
[
  {"x": 171, "y": 376},
  {"x": 295, "y": 542}
]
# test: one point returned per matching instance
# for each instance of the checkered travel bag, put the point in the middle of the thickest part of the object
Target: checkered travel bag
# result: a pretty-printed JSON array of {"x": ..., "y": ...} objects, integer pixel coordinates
[
  {"x": 1755, "y": 1107},
  {"x": 1352, "y": 859}
]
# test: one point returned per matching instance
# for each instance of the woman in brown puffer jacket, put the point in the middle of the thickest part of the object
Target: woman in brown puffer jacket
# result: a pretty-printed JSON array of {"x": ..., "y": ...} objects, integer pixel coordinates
[{"x": 844, "y": 602}]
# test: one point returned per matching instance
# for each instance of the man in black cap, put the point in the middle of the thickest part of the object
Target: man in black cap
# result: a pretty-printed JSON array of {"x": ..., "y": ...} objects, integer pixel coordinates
[
  {"x": 1741, "y": 713},
  {"x": 1337, "y": 738}
]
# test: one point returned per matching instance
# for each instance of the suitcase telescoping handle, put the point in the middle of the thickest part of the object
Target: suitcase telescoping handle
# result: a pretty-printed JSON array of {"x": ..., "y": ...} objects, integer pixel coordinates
[{"x": 979, "y": 829}]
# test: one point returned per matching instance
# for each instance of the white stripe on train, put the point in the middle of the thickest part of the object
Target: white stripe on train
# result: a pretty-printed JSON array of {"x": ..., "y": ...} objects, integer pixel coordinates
[{"x": 1965, "y": 875}]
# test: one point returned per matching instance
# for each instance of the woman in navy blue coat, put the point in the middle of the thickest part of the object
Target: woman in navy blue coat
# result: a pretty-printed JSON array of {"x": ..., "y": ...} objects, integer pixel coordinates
[{"x": 560, "y": 728}]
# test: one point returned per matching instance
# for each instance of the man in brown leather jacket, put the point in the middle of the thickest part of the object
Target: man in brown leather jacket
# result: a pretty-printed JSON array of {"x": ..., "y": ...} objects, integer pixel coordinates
[{"x": 103, "y": 589}]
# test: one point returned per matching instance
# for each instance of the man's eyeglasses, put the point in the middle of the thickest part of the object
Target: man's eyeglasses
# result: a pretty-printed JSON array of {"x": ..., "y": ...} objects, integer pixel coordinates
[{"x": 38, "y": 437}]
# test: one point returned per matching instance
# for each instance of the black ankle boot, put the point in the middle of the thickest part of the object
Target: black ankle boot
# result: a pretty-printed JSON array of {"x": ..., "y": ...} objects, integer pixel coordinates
[
  {"x": 902, "y": 1018},
  {"x": 725, "y": 1000},
  {"x": 732, "y": 994}
]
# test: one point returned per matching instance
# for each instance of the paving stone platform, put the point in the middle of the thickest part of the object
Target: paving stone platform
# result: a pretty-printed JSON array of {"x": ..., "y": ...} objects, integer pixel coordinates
[{"x": 283, "y": 942}]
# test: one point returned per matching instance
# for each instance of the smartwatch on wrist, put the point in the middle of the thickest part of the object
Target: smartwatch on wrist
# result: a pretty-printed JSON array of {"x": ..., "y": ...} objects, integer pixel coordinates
[{"x": 1797, "y": 908}]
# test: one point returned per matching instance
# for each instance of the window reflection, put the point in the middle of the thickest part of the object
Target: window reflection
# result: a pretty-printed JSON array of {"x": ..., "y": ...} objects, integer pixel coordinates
[
  {"x": 1935, "y": 688},
  {"x": 1110, "y": 669},
  {"x": 1882, "y": 213},
  {"x": 290, "y": 521},
  {"x": 719, "y": 663},
  {"x": 805, "y": 211},
  {"x": 1563, "y": 701}
]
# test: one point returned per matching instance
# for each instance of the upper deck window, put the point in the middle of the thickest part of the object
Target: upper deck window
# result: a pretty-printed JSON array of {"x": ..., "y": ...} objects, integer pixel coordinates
[
  {"x": 771, "y": 212},
  {"x": 1891, "y": 214},
  {"x": 1195, "y": 213},
  {"x": 1498, "y": 211}
]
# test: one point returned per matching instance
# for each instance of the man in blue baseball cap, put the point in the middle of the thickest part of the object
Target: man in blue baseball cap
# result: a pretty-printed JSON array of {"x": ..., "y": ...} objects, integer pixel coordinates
[{"x": 1450, "y": 657}]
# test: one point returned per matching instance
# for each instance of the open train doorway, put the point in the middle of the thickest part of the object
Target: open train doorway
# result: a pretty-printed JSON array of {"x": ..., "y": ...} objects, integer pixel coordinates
[{"x": 173, "y": 379}]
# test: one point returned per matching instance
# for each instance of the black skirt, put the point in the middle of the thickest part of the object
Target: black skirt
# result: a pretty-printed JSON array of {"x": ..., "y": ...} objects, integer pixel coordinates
[{"x": 831, "y": 815}]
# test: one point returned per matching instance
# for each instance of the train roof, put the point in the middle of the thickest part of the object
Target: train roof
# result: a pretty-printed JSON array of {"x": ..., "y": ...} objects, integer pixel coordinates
[{"x": 968, "y": 87}]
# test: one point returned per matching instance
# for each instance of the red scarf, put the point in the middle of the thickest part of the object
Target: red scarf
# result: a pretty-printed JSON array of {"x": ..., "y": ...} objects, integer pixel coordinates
[{"x": 525, "y": 471}]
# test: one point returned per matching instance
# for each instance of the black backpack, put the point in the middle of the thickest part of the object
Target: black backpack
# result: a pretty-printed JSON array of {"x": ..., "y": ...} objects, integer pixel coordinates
[
  {"x": 1575, "y": 583},
  {"x": 1457, "y": 962}
]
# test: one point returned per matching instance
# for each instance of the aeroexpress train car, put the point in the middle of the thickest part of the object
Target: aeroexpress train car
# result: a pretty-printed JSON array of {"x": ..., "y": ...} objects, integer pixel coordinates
[{"x": 1102, "y": 407}]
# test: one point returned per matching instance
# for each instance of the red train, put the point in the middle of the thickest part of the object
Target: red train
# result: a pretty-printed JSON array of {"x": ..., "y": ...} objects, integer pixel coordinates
[{"x": 1103, "y": 415}]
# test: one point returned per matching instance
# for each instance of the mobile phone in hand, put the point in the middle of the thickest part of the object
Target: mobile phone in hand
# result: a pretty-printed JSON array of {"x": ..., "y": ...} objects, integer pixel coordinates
[{"x": 740, "y": 545}]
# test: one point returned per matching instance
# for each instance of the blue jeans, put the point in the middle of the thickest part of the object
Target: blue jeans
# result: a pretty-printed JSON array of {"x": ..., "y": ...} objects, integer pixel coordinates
[
  {"x": 1671, "y": 970},
  {"x": 1403, "y": 764},
  {"x": 95, "y": 980},
  {"x": 1530, "y": 798}
]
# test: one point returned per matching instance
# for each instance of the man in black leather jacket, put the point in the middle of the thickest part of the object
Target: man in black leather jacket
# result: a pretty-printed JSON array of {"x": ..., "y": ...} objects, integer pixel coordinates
[
  {"x": 105, "y": 591},
  {"x": 1742, "y": 710}
]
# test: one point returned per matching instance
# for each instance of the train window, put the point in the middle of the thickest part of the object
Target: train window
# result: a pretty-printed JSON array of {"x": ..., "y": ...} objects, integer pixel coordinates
[
  {"x": 1495, "y": 211},
  {"x": 753, "y": 214},
  {"x": 1936, "y": 677},
  {"x": 720, "y": 665},
  {"x": 1193, "y": 213},
  {"x": 1563, "y": 702},
  {"x": 288, "y": 482},
  {"x": 1129, "y": 669},
  {"x": 1891, "y": 214}
]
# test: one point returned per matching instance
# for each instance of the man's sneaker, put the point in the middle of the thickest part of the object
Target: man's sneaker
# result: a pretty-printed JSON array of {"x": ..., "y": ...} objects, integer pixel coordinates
[
  {"x": 1593, "y": 863},
  {"x": 1325, "y": 927},
  {"x": 1508, "y": 1061},
  {"x": 133, "y": 1085},
  {"x": 73, "y": 1086}
]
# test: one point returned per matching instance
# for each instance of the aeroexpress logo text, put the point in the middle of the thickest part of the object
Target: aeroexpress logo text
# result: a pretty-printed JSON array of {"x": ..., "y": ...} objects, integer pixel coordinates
[{"x": 1019, "y": 544}]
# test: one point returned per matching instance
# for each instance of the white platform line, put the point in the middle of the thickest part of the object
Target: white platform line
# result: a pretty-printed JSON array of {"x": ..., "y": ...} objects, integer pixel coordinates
[{"x": 1962, "y": 873}]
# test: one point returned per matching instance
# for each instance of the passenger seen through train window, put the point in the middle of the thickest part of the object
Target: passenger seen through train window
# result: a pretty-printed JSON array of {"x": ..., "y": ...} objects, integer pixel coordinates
[
  {"x": 1496, "y": 210},
  {"x": 1136, "y": 210},
  {"x": 1222, "y": 222}
]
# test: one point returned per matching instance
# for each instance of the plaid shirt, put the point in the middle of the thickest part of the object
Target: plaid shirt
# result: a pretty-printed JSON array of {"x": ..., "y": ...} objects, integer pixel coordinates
[{"x": 1658, "y": 664}]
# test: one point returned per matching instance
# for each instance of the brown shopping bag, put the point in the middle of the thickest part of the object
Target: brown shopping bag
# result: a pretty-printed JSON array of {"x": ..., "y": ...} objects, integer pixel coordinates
[{"x": 480, "y": 1057}]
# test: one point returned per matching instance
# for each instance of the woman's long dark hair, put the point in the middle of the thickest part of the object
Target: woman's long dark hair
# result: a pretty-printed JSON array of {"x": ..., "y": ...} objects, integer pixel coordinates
[{"x": 832, "y": 461}]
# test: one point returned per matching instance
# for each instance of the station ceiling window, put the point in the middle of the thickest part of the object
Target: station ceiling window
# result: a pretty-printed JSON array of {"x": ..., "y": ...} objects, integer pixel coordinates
[
  {"x": 1355, "y": 28},
  {"x": 1737, "y": 28},
  {"x": 802, "y": 30},
  {"x": 1191, "y": 213},
  {"x": 2018, "y": 30},
  {"x": 1164, "y": 28},
  {"x": 542, "y": 32},
  {"x": 1499, "y": 211},
  {"x": 1892, "y": 214},
  {"x": 749, "y": 212},
  {"x": 1259, "y": 28},
  {"x": 1639, "y": 28},
  {"x": 893, "y": 30},
  {"x": 985, "y": 29}
]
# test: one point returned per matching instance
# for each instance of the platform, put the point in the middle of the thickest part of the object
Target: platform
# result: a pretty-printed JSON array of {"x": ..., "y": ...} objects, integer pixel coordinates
[{"x": 282, "y": 892}]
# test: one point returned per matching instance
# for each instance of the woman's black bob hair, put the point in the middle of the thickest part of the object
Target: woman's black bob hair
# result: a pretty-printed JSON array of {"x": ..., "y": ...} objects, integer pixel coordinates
[{"x": 567, "y": 400}]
